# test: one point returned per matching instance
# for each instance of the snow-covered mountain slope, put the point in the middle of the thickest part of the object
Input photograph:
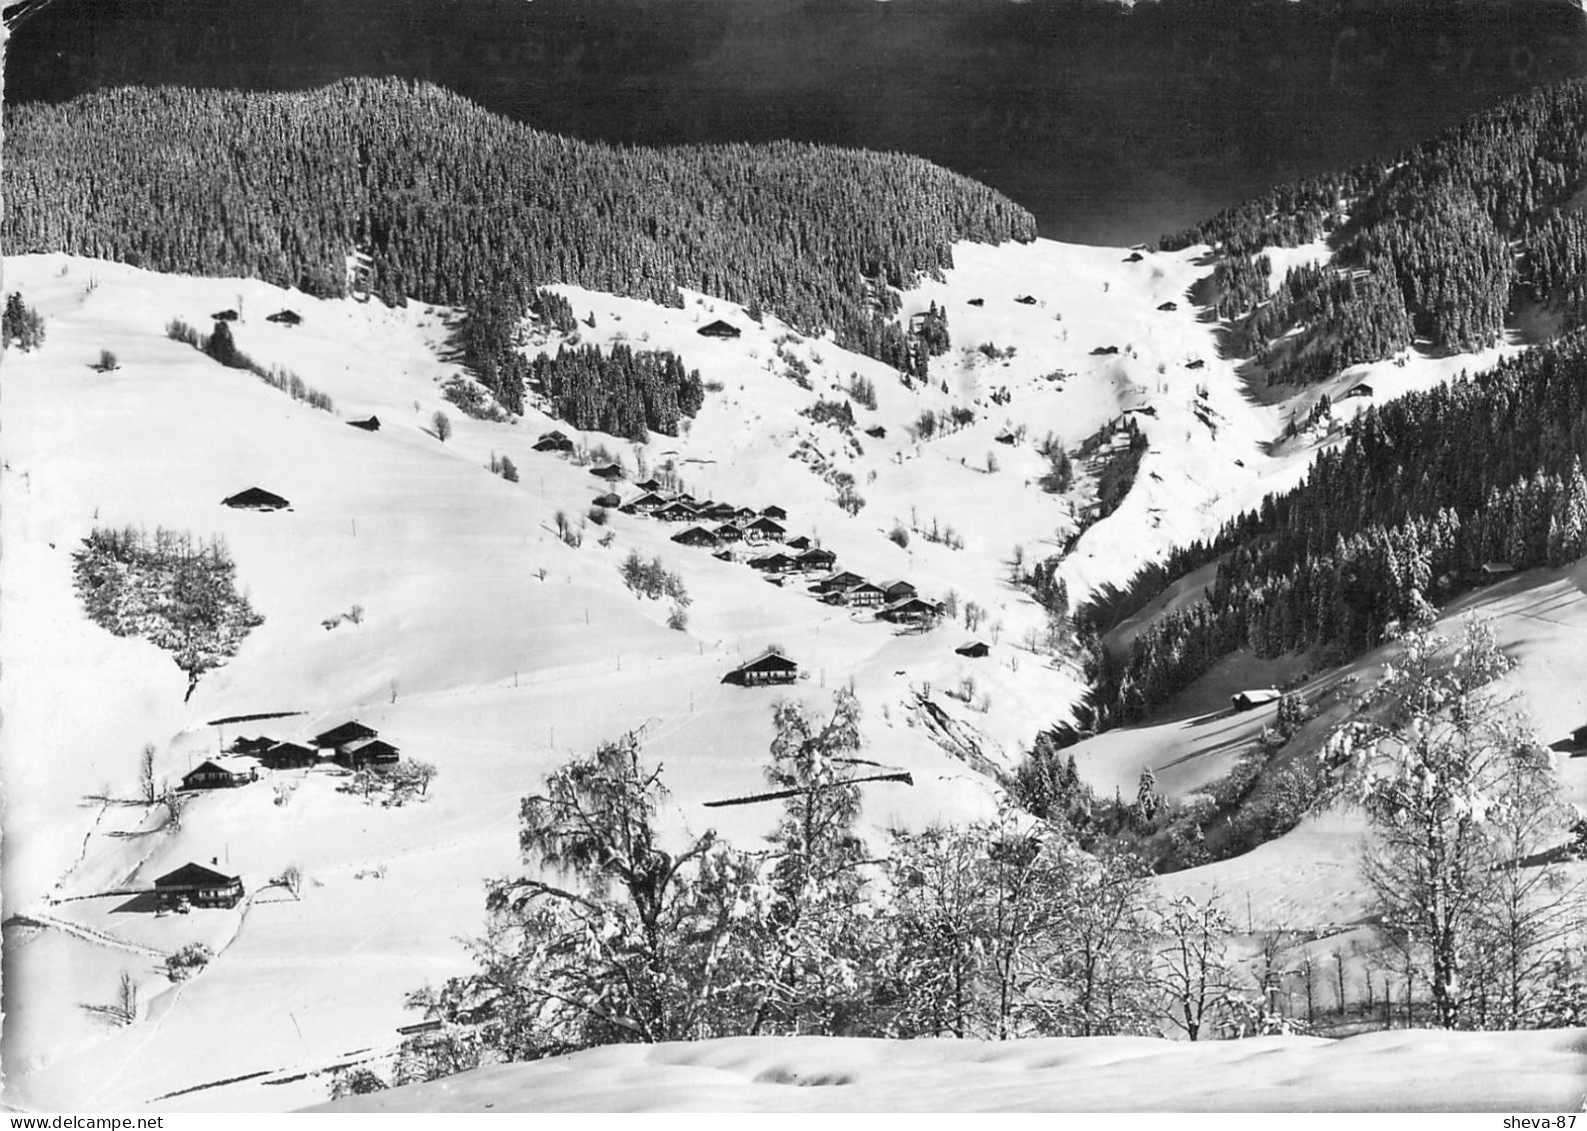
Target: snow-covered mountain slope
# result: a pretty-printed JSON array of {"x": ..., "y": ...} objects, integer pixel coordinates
[
  {"x": 491, "y": 648},
  {"x": 1394, "y": 1071}
]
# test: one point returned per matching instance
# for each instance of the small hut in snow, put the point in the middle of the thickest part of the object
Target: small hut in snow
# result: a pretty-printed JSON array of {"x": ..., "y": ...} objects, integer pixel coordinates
[
  {"x": 256, "y": 499},
  {"x": 719, "y": 329},
  {"x": 767, "y": 668},
  {"x": 1257, "y": 697}
]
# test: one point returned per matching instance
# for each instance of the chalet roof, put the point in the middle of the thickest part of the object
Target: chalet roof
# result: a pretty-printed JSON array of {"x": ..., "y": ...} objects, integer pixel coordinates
[
  {"x": 1255, "y": 697},
  {"x": 369, "y": 746},
  {"x": 974, "y": 648},
  {"x": 651, "y": 484},
  {"x": 898, "y": 585},
  {"x": 350, "y": 731},
  {"x": 800, "y": 543},
  {"x": 648, "y": 499},
  {"x": 193, "y": 875},
  {"x": 770, "y": 526},
  {"x": 609, "y": 471},
  {"x": 287, "y": 750},
  {"x": 696, "y": 534},
  {"x": 209, "y": 766},
  {"x": 866, "y": 587},
  {"x": 1497, "y": 567},
  {"x": 771, "y": 561},
  {"x": 719, "y": 329},
  {"x": 842, "y": 577},
  {"x": 224, "y": 316},
  {"x": 251, "y": 745},
  {"x": 288, "y": 317},
  {"x": 370, "y": 425},
  {"x": 769, "y": 661},
  {"x": 774, "y": 511},
  {"x": 911, "y": 605},
  {"x": 256, "y": 498},
  {"x": 729, "y": 530},
  {"x": 679, "y": 508},
  {"x": 816, "y": 554},
  {"x": 607, "y": 500}
]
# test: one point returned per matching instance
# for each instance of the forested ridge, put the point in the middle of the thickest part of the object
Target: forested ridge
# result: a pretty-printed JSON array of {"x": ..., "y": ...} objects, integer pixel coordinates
[
  {"x": 1441, "y": 244},
  {"x": 1425, "y": 491},
  {"x": 459, "y": 206}
]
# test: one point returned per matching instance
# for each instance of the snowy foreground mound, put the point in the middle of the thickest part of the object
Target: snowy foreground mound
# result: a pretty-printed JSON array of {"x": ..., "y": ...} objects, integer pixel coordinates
[{"x": 1417, "y": 1070}]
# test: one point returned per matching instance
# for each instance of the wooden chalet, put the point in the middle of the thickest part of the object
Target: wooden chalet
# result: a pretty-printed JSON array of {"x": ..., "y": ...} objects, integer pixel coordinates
[
  {"x": 775, "y": 513},
  {"x": 553, "y": 442},
  {"x": 1255, "y": 697},
  {"x": 898, "y": 590},
  {"x": 256, "y": 499},
  {"x": 1197, "y": 364},
  {"x": 608, "y": 501},
  {"x": 216, "y": 774},
  {"x": 224, "y": 316},
  {"x": 287, "y": 756},
  {"x": 745, "y": 515},
  {"x": 912, "y": 610},
  {"x": 877, "y": 433},
  {"x": 1006, "y": 438},
  {"x": 651, "y": 484},
  {"x": 818, "y": 559},
  {"x": 675, "y": 511},
  {"x": 339, "y": 737},
  {"x": 609, "y": 472},
  {"x": 800, "y": 543},
  {"x": 866, "y": 594},
  {"x": 370, "y": 425},
  {"x": 1026, "y": 300},
  {"x": 251, "y": 745},
  {"x": 368, "y": 752},
  {"x": 764, "y": 530},
  {"x": 648, "y": 503},
  {"x": 836, "y": 582},
  {"x": 773, "y": 563},
  {"x": 718, "y": 329},
  {"x": 1168, "y": 306},
  {"x": 719, "y": 512},
  {"x": 767, "y": 668},
  {"x": 193, "y": 885},
  {"x": 285, "y": 317},
  {"x": 1493, "y": 571},
  {"x": 729, "y": 532},
  {"x": 1361, "y": 390},
  {"x": 697, "y": 536},
  {"x": 975, "y": 650}
]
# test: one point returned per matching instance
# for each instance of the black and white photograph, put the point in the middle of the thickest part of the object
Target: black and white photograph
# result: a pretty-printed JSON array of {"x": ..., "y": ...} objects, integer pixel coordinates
[{"x": 793, "y": 556}]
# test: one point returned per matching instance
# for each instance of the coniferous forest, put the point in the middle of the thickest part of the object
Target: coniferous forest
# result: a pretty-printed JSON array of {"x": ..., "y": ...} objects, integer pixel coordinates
[
  {"x": 455, "y": 205},
  {"x": 1422, "y": 243}
]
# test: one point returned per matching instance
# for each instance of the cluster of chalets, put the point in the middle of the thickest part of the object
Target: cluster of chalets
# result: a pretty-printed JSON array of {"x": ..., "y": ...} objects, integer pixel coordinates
[
  {"x": 760, "y": 539},
  {"x": 352, "y": 745}
]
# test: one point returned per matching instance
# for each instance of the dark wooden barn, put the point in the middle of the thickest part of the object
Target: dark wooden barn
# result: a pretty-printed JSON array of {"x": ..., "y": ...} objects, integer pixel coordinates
[
  {"x": 775, "y": 513},
  {"x": 719, "y": 329},
  {"x": 697, "y": 536},
  {"x": 214, "y": 775},
  {"x": 610, "y": 472},
  {"x": 224, "y": 316},
  {"x": 287, "y": 756},
  {"x": 285, "y": 317},
  {"x": 370, "y": 425},
  {"x": 553, "y": 442},
  {"x": 676, "y": 511},
  {"x": 197, "y": 886},
  {"x": 367, "y": 752},
  {"x": 256, "y": 499},
  {"x": 338, "y": 738},
  {"x": 975, "y": 650},
  {"x": 912, "y": 610},
  {"x": 608, "y": 500}
]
